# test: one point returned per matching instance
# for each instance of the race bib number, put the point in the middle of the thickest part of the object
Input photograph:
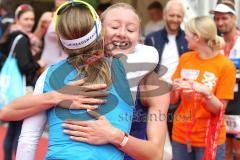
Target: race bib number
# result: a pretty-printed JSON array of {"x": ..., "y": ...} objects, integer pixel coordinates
[
  {"x": 233, "y": 123},
  {"x": 190, "y": 74}
]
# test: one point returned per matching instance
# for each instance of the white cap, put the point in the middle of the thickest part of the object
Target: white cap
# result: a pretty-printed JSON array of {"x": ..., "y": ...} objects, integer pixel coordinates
[{"x": 223, "y": 8}]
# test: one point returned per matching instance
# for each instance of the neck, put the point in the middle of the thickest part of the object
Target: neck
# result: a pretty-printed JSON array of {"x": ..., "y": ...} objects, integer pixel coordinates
[
  {"x": 206, "y": 52},
  {"x": 171, "y": 32},
  {"x": 229, "y": 36}
]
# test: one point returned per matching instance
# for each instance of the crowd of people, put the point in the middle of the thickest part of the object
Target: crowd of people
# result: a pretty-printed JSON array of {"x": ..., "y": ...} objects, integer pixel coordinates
[{"x": 104, "y": 95}]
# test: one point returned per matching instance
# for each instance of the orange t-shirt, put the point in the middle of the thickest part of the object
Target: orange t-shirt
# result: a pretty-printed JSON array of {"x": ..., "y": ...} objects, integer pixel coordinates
[{"x": 217, "y": 73}]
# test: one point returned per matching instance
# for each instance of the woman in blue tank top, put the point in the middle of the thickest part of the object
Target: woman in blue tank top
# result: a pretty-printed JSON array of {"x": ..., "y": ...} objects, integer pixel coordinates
[
  {"x": 107, "y": 137},
  {"x": 79, "y": 30}
]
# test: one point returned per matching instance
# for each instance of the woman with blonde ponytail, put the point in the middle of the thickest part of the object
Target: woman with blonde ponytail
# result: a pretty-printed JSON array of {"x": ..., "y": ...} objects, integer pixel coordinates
[
  {"x": 204, "y": 81},
  {"x": 217, "y": 43}
]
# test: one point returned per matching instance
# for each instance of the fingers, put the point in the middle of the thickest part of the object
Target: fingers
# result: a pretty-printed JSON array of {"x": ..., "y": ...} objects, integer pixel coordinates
[
  {"x": 78, "y": 102},
  {"x": 94, "y": 114},
  {"x": 95, "y": 94},
  {"x": 78, "y": 123},
  {"x": 94, "y": 87},
  {"x": 92, "y": 101},
  {"x": 73, "y": 127},
  {"x": 82, "y": 106},
  {"x": 186, "y": 85},
  {"x": 87, "y": 91},
  {"x": 68, "y": 104},
  {"x": 75, "y": 133},
  {"x": 65, "y": 104},
  {"x": 80, "y": 139},
  {"x": 71, "y": 90},
  {"x": 176, "y": 84},
  {"x": 77, "y": 82}
]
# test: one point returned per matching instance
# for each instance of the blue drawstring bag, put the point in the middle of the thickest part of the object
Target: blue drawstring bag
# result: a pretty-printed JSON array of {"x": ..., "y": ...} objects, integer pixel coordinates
[{"x": 12, "y": 83}]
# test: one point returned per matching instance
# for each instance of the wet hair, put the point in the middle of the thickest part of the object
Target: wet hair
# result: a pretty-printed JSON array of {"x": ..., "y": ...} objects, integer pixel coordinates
[
  {"x": 76, "y": 22},
  {"x": 205, "y": 27}
]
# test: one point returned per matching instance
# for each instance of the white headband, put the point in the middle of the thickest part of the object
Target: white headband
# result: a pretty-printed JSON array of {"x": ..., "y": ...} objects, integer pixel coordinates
[{"x": 85, "y": 40}]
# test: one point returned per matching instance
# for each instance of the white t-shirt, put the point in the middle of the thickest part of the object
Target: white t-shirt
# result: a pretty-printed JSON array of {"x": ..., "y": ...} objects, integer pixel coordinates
[
  {"x": 170, "y": 57},
  {"x": 145, "y": 59}
]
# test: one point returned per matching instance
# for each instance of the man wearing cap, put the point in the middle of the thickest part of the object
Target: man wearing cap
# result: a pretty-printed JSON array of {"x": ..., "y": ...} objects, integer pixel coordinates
[{"x": 225, "y": 19}]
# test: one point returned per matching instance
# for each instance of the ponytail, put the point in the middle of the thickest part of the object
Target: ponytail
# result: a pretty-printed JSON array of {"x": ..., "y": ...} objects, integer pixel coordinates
[{"x": 217, "y": 43}]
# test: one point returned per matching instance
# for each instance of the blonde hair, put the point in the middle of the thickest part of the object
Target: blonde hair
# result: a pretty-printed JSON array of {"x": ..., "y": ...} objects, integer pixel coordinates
[
  {"x": 119, "y": 5},
  {"x": 74, "y": 23},
  {"x": 205, "y": 27}
]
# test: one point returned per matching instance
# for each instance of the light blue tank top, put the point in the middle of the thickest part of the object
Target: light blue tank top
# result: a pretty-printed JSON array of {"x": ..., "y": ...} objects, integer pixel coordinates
[{"x": 118, "y": 110}]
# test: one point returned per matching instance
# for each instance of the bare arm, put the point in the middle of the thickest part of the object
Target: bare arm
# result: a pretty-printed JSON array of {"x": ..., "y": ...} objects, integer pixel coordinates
[
  {"x": 158, "y": 101},
  {"x": 214, "y": 104},
  {"x": 29, "y": 105},
  {"x": 102, "y": 132},
  {"x": 151, "y": 149}
]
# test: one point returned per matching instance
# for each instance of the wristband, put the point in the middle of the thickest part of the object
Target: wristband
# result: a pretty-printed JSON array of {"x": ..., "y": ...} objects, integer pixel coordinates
[{"x": 124, "y": 141}]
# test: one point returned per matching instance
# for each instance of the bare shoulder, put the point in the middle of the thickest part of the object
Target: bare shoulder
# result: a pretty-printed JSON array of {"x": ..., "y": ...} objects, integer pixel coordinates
[{"x": 154, "y": 90}]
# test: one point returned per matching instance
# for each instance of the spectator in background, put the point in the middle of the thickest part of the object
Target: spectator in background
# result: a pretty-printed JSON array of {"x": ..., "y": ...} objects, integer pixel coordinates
[
  {"x": 24, "y": 22},
  {"x": 7, "y": 14},
  {"x": 204, "y": 82},
  {"x": 102, "y": 7},
  {"x": 7, "y": 18},
  {"x": 170, "y": 43},
  {"x": 155, "y": 11},
  {"x": 7, "y": 25},
  {"x": 52, "y": 51},
  {"x": 225, "y": 19}
]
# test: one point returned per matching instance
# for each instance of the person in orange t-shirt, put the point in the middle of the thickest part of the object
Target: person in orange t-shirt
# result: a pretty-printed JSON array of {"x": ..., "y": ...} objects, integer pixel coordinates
[{"x": 204, "y": 81}]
